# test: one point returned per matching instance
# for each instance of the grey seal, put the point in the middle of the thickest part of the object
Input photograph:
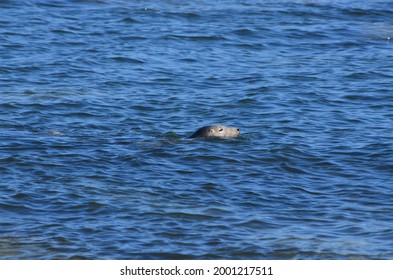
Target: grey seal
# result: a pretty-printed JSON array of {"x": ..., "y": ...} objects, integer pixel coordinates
[{"x": 216, "y": 131}]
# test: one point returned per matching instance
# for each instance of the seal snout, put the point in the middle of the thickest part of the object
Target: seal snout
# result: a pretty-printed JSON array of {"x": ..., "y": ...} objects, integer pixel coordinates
[{"x": 216, "y": 131}]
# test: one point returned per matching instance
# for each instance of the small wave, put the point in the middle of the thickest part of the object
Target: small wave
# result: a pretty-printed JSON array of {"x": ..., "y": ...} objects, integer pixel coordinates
[
  {"x": 197, "y": 38},
  {"x": 127, "y": 60}
]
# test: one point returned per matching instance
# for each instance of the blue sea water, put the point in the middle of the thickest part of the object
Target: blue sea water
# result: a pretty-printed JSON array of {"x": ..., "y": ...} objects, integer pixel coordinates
[{"x": 97, "y": 99}]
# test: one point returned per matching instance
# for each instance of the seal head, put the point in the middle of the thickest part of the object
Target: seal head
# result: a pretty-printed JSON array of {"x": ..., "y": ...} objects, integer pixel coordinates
[{"x": 216, "y": 131}]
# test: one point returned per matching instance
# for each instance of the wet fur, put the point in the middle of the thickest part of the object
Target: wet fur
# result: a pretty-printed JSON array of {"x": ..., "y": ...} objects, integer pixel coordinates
[{"x": 216, "y": 131}]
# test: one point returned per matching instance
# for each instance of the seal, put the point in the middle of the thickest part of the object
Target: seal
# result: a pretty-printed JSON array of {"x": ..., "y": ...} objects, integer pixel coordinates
[{"x": 216, "y": 131}]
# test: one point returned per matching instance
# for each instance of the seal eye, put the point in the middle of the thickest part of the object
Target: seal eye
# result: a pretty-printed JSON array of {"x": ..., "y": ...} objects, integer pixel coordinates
[{"x": 221, "y": 129}]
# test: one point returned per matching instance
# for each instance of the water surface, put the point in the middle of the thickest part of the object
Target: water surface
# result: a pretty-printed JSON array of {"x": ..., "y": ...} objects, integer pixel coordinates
[{"x": 97, "y": 99}]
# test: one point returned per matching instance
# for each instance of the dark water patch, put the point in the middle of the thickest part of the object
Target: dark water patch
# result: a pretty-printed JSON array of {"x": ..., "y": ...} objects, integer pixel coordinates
[
  {"x": 196, "y": 38},
  {"x": 244, "y": 32},
  {"x": 184, "y": 15},
  {"x": 129, "y": 20},
  {"x": 128, "y": 60}
]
